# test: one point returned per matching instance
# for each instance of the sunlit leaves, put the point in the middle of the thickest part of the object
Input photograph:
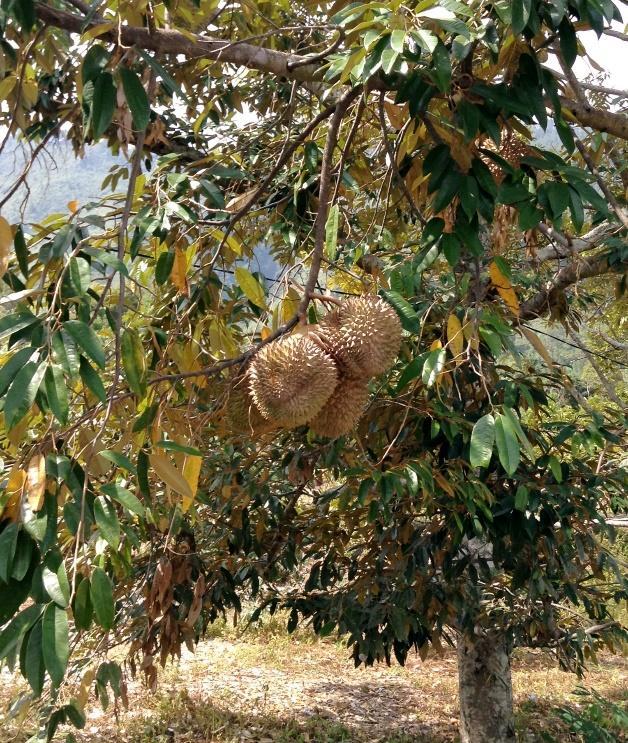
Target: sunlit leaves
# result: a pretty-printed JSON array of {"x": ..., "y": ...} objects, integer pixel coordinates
[
  {"x": 250, "y": 286},
  {"x": 482, "y": 440},
  {"x": 133, "y": 361},
  {"x": 22, "y": 391},
  {"x": 107, "y": 520}
]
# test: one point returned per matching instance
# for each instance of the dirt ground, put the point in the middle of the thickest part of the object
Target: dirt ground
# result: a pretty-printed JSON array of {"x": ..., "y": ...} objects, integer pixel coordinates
[{"x": 276, "y": 689}]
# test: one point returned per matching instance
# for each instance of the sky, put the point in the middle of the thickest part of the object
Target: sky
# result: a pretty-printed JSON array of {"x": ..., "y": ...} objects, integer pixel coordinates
[{"x": 610, "y": 53}]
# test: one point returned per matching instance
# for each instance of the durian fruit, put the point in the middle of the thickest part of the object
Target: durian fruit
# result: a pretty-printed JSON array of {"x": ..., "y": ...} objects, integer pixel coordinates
[
  {"x": 342, "y": 412},
  {"x": 363, "y": 335},
  {"x": 242, "y": 414},
  {"x": 291, "y": 379}
]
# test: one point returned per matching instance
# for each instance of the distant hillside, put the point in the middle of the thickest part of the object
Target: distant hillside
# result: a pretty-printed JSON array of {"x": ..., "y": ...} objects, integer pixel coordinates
[{"x": 57, "y": 177}]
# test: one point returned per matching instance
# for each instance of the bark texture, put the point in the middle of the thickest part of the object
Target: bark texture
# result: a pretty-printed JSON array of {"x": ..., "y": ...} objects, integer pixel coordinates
[{"x": 485, "y": 689}]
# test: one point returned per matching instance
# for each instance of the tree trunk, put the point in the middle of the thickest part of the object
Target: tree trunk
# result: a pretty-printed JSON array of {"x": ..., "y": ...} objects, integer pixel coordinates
[{"x": 485, "y": 690}]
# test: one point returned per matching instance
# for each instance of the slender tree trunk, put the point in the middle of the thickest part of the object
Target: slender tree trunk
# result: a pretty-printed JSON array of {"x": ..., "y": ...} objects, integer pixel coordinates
[{"x": 485, "y": 689}]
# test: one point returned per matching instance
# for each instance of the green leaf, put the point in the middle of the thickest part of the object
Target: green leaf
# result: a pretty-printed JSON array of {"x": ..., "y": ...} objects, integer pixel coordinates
[
  {"x": 409, "y": 319},
  {"x": 556, "y": 469},
  {"x": 22, "y": 557},
  {"x": 78, "y": 278},
  {"x": 410, "y": 372},
  {"x": 107, "y": 521},
  {"x": 24, "y": 12},
  {"x": 389, "y": 57},
  {"x": 507, "y": 444},
  {"x": 22, "y": 391},
  {"x": 450, "y": 245},
  {"x": 103, "y": 104},
  {"x": 433, "y": 366},
  {"x": 8, "y": 545},
  {"x": 441, "y": 67},
  {"x": 55, "y": 645},
  {"x": 173, "y": 446},
  {"x": 13, "y": 366},
  {"x": 164, "y": 265},
  {"x": 136, "y": 98},
  {"x": 108, "y": 259},
  {"x": 34, "y": 667},
  {"x": 523, "y": 439},
  {"x": 568, "y": 42},
  {"x": 21, "y": 251},
  {"x": 64, "y": 353},
  {"x": 133, "y": 361},
  {"x": 397, "y": 39},
  {"x": 124, "y": 497},
  {"x": 57, "y": 393},
  {"x": 331, "y": 232},
  {"x": 87, "y": 339},
  {"x": 17, "y": 321},
  {"x": 102, "y": 598},
  {"x": 94, "y": 63},
  {"x": 17, "y": 628},
  {"x": 83, "y": 609},
  {"x": 56, "y": 584},
  {"x": 520, "y": 14},
  {"x": 91, "y": 379},
  {"x": 521, "y": 498},
  {"x": 482, "y": 440},
  {"x": 450, "y": 187},
  {"x": 250, "y": 286},
  {"x": 120, "y": 460}
]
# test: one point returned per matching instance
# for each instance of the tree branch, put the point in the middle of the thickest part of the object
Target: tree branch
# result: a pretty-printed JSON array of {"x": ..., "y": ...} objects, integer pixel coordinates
[
  {"x": 564, "y": 247},
  {"x": 163, "y": 41},
  {"x": 597, "y": 118},
  {"x": 540, "y": 304},
  {"x": 324, "y": 198}
]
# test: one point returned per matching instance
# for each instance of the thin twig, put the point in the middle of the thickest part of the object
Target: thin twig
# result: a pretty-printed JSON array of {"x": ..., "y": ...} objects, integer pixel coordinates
[{"x": 324, "y": 198}]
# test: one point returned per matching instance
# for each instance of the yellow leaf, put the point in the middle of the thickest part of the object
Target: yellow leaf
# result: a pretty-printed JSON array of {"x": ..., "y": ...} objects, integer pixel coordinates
[
  {"x": 191, "y": 472},
  {"x": 241, "y": 200},
  {"x": 6, "y": 243},
  {"x": 73, "y": 206},
  {"x": 265, "y": 333},
  {"x": 436, "y": 345},
  {"x": 538, "y": 346},
  {"x": 171, "y": 476},
  {"x": 6, "y": 87},
  {"x": 30, "y": 93},
  {"x": 36, "y": 482},
  {"x": 231, "y": 241},
  {"x": 15, "y": 487},
  {"x": 455, "y": 337},
  {"x": 289, "y": 305},
  {"x": 178, "y": 275},
  {"x": 504, "y": 288},
  {"x": 98, "y": 30},
  {"x": 250, "y": 286}
]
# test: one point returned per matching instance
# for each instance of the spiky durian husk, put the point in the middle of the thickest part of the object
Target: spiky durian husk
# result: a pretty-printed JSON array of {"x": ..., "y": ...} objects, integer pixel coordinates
[
  {"x": 242, "y": 415},
  {"x": 363, "y": 335},
  {"x": 343, "y": 410},
  {"x": 291, "y": 379}
]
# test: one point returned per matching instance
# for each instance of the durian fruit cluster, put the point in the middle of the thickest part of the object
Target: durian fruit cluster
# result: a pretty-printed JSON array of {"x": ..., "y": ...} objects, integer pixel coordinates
[{"x": 318, "y": 377}]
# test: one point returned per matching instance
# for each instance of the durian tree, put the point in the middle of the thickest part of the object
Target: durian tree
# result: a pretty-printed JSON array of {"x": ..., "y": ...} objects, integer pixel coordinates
[{"x": 286, "y": 358}]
